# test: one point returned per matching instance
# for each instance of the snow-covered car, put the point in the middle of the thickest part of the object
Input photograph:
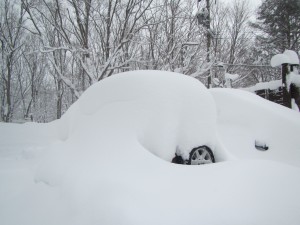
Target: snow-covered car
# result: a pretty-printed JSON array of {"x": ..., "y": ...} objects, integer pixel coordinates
[
  {"x": 250, "y": 127},
  {"x": 173, "y": 116}
]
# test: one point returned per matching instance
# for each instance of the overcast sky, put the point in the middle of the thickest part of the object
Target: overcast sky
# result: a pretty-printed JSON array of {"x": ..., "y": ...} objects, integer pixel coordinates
[{"x": 254, "y": 3}]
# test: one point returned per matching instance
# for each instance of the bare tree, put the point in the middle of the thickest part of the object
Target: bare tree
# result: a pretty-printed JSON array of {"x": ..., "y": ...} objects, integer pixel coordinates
[
  {"x": 11, "y": 22},
  {"x": 63, "y": 47},
  {"x": 238, "y": 30}
]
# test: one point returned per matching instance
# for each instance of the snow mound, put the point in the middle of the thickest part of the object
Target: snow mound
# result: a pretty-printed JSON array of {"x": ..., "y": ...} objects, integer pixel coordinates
[
  {"x": 165, "y": 112},
  {"x": 163, "y": 109},
  {"x": 289, "y": 57},
  {"x": 232, "y": 77},
  {"x": 249, "y": 118}
]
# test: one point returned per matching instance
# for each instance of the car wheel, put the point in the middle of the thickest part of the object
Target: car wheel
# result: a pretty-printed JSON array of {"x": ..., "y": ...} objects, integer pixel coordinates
[
  {"x": 177, "y": 159},
  {"x": 201, "y": 155}
]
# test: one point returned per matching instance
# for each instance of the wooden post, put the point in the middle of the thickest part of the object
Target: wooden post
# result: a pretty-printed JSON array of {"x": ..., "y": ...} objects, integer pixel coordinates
[{"x": 286, "y": 93}]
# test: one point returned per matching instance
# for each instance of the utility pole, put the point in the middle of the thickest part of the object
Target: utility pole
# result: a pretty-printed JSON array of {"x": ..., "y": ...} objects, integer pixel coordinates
[
  {"x": 203, "y": 17},
  {"x": 208, "y": 36},
  {"x": 208, "y": 42}
]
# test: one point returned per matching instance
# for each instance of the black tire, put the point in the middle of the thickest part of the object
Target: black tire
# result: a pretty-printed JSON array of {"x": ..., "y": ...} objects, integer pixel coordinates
[
  {"x": 201, "y": 155},
  {"x": 177, "y": 159}
]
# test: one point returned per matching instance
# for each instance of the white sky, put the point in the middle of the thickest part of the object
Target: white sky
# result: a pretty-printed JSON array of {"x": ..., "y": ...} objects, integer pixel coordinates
[{"x": 254, "y": 3}]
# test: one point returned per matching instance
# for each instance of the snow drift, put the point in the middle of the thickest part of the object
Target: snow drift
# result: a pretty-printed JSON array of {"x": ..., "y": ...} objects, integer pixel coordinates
[
  {"x": 102, "y": 168},
  {"x": 249, "y": 118}
]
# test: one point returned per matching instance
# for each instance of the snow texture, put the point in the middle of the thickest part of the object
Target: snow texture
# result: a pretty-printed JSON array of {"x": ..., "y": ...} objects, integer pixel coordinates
[
  {"x": 272, "y": 85},
  {"x": 153, "y": 106},
  {"x": 232, "y": 77},
  {"x": 294, "y": 105},
  {"x": 293, "y": 78},
  {"x": 107, "y": 160},
  {"x": 249, "y": 118},
  {"x": 229, "y": 78},
  {"x": 289, "y": 57}
]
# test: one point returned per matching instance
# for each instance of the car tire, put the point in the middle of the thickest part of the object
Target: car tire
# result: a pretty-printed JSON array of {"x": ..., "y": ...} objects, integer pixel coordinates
[
  {"x": 201, "y": 155},
  {"x": 177, "y": 159}
]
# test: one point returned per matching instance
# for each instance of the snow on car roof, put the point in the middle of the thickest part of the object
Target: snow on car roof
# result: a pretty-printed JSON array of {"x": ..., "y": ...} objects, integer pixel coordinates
[{"x": 164, "y": 110}]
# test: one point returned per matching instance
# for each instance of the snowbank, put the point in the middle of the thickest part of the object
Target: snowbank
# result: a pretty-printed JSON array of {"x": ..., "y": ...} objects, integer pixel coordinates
[
  {"x": 244, "y": 118},
  {"x": 102, "y": 166}
]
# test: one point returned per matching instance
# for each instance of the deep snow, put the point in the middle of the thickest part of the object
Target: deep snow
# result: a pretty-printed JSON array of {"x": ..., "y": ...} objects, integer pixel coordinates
[
  {"x": 249, "y": 118},
  {"x": 99, "y": 164}
]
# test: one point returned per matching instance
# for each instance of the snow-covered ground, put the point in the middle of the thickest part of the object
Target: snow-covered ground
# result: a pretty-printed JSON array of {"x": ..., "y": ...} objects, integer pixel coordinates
[{"x": 107, "y": 160}]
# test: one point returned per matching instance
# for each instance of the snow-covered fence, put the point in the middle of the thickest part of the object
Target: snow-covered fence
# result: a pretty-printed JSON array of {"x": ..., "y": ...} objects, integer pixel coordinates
[
  {"x": 272, "y": 95},
  {"x": 285, "y": 91},
  {"x": 289, "y": 61}
]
